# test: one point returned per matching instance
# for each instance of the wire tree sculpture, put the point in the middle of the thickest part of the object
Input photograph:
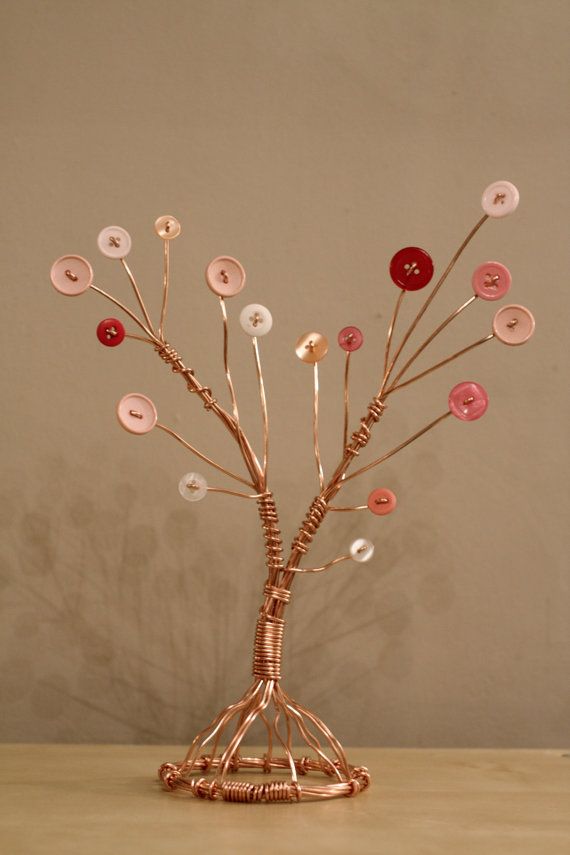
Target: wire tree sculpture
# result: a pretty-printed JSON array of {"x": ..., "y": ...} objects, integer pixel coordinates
[{"x": 214, "y": 757}]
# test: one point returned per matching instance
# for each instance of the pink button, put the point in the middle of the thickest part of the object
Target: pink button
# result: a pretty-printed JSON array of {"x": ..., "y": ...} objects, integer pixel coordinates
[
  {"x": 500, "y": 199},
  {"x": 411, "y": 268},
  {"x": 137, "y": 413},
  {"x": 71, "y": 275},
  {"x": 491, "y": 280},
  {"x": 513, "y": 324},
  {"x": 382, "y": 501},
  {"x": 350, "y": 338},
  {"x": 225, "y": 276},
  {"x": 110, "y": 332},
  {"x": 468, "y": 401}
]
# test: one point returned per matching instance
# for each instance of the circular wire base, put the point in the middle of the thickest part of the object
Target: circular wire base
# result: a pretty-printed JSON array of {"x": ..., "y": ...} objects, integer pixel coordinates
[{"x": 232, "y": 790}]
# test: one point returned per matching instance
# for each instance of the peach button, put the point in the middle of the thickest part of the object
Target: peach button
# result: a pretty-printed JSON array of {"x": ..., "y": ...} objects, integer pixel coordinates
[
  {"x": 71, "y": 275},
  {"x": 500, "y": 199},
  {"x": 382, "y": 501},
  {"x": 137, "y": 413},
  {"x": 513, "y": 324},
  {"x": 491, "y": 280},
  {"x": 311, "y": 347},
  {"x": 167, "y": 227},
  {"x": 114, "y": 242},
  {"x": 350, "y": 339},
  {"x": 468, "y": 401},
  {"x": 225, "y": 276}
]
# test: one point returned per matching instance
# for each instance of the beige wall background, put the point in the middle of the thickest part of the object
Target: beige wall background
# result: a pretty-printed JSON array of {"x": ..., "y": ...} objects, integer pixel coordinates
[{"x": 311, "y": 140}]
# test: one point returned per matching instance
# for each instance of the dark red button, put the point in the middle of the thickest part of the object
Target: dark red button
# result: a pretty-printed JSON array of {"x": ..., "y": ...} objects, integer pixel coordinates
[
  {"x": 411, "y": 268},
  {"x": 350, "y": 338},
  {"x": 110, "y": 332}
]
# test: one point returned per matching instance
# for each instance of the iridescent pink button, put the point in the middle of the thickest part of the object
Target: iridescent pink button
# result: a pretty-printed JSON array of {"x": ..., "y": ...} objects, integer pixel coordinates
[
  {"x": 500, "y": 199},
  {"x": 382, "y": 501},
  {"x": 350, "y": 339},
  {"x": 225, "y": 276},
  {"x": 110, "y": 332},
  {"x": 468, "y": 401},
  {"x": 513, "y": 324},
  {"x": 411, "y": 268},
  {"x": 137, "y": 413},
  {"x": 71, "y": 275},
  {"x": 491, "y": 280}
]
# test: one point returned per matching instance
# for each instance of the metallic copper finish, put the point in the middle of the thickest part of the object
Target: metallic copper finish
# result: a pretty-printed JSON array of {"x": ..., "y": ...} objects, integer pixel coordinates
[
  {"x": 214, "y": 756},
  {"x": 311, "y": 347}
]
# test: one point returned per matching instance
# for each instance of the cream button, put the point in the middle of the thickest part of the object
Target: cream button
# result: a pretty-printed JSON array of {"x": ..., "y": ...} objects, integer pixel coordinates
[
  {"x": 311, "y": 347},
  {"x": 71, "y": 275},
  {"x": 382, "y": 501},
  {"x": 255, "y": 320},
  {"x": 193, "y": 487},
  {"x": 361, "y": 550},
  {"x": 491, "y": 280},
  {"x": 513, "y": 324},
  {"x": 167, "y": 227},
  {"x": 137, "y": 413},
  {"x": 225, "y": 276},
  {"x": 500, "y": 199},
  {"x": 468, "y": 401},
  {"x": 114, "y": 242}
]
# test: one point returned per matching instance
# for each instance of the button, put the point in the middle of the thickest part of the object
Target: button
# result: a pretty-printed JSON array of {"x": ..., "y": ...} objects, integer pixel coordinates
[
  {"x": 468, "y": 401},
  {"x": 491, "y": 280},
  {"x": 225, "y": 276},
  {"x": 110, "y": 332},
  {"x": 114, "y": 242},
  {"x": 361, "y": 550},
  {"x": 411, "y": 268},
  {"x": 71, "y": 275},
  {"x": 137, "y": 413},
  {"x": 193, "y": 487},
  {"x": 350, "y": 339},
  {"x": 255, "y": 320},
  {"x": 167, "y": 227},
  {"x": 311, "y": 347},
  {"x": 513, "y": 324},
  {"x": 382, "y": 501},
  {"x": 500, "y": 198}
]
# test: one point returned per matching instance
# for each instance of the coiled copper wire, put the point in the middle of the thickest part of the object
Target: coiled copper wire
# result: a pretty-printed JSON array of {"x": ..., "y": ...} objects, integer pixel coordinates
[
  {"x": 272, "y": 535},
  {"x": 312, "y": 521},
  {"x": 267, "y": 647}
]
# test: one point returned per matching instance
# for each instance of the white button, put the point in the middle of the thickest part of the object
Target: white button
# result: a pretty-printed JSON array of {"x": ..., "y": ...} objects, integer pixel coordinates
[
  {"x": 114, "y": 242},
  {"x": 255, "y": 319},
  {"x": 193, "y": 487},
  {"x": 137, "y": 413},
  {"x": 500, "y": 198},
  {"x": 361, "y": 550}
]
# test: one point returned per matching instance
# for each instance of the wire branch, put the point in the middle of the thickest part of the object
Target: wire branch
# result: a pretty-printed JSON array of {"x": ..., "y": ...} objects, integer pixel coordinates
[
  {"x": 316, "y": 425},
  {"x": 320, "y": 569},
  {"x": 138, "y": 294},
  {"x": 127, "y": 311},
  {"x": 165, "y": 287},
  {"x": 203, "y": 457},
  {"x": 263, "y": 402}
]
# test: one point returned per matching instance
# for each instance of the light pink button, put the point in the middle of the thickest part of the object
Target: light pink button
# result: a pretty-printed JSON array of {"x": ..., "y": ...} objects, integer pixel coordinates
[
  {"x": 225, "y": 276},
  {"x": 350, "y": 339},
  {"x": 137, "y": 413},
  {"x": 468, "y": 401},
  {"x": 491, "y": 280},
  {"x": 71, "y": 275},
  {"x": 114, "y": 242},
  {"x": 500, "y": 199},
  {"x": 513, "y": 324},
  {"x": 382, "y": 501}
]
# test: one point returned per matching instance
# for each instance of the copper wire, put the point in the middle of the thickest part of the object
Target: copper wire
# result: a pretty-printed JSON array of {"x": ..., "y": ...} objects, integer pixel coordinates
[
  {"x": 234, "y": 493},
  {"x": 344, "y": 510},
  {"x": 440, "y": 364},
  {"x": 203, "y": 457},
  {"x": 391, "y": 328},
  {"x": 124, "y": 309},
  {"x": 165, "y": 287},
  {"x": 430, "y": 338},
  {"x": 330, "y": 563},
  {"x": 138, "y": 294},
  {"x": 263, "y": 402},
  {"x": 316, "y": 425},
  {"x": 346, "y": 401},
  {"x": 272, "y": 536}
]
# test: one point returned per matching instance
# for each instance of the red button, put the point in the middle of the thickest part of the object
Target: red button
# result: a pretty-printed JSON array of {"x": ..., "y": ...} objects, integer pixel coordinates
[
  {"x": 468, "y": 401},
  {"x": 411, "y": 268},
  {"x": 110, "y": 332},
  {"x": 350, "y": 338},
  {"x": 382, "y": 501}
]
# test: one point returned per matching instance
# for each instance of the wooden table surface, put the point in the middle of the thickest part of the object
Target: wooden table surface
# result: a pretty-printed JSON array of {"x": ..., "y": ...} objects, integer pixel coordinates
[{"x": 83, "y": 799}]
